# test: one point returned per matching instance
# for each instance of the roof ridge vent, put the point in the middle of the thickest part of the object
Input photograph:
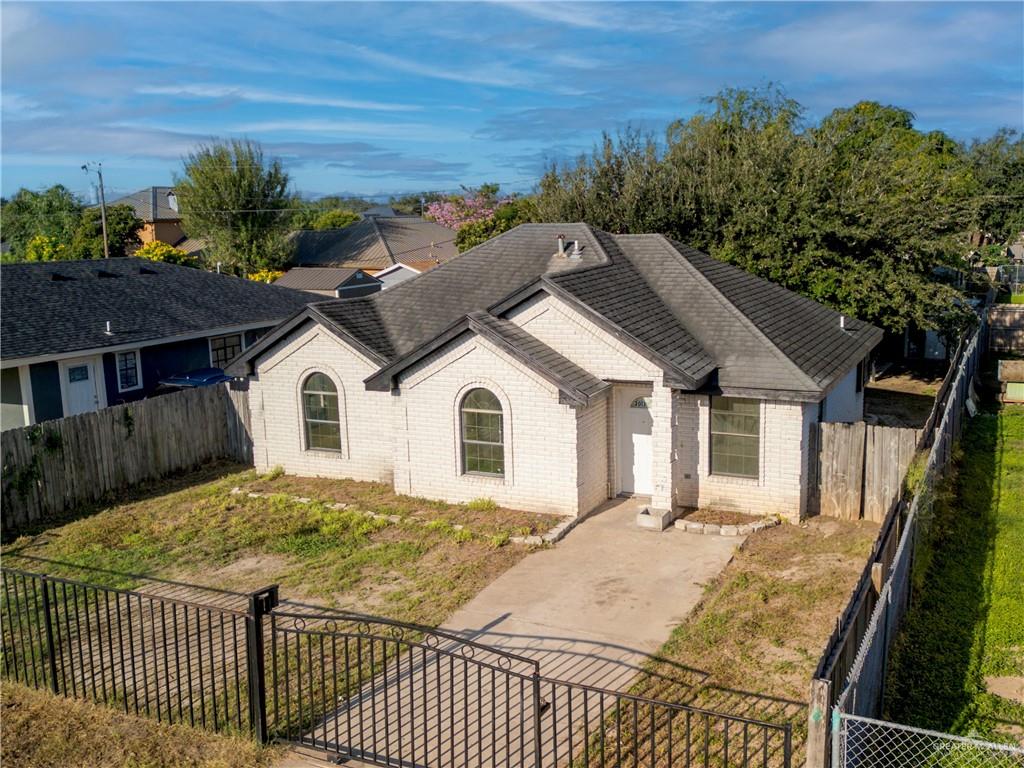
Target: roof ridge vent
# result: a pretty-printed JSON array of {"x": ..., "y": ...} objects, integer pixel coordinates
[
  {"x": 57, "y": 277},
  {"x": 147, "y": 271},
  {"x": 102, "y": 273}
]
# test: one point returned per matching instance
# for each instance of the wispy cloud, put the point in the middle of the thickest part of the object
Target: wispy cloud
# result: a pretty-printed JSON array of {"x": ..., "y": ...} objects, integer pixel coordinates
[
  {"x": 498, "y": 75},
  {"x": 261, "y": 96},
  {"x": 582, "y": 15},
  {"x": 857, "y": 40},
  {"x": 444, "y": 93},
  {"x": 420, "y": 131}
]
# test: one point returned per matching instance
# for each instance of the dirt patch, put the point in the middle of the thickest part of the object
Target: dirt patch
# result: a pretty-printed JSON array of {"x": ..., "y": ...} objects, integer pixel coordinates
[
  {"x": 719, "y": 517},
  {"x": 904, "y": 395},
  {"x": 1008, "y": 687}
]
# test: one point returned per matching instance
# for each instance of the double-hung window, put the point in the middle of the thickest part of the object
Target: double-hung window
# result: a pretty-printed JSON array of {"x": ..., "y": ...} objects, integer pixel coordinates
[
  {"x": 224, "y": 349},
  {"x": 483, "y": 434},
  {"x": 735, "y": 436},
  {"x": 129, "y": 373},
  {"x": 320, "y": 413}
]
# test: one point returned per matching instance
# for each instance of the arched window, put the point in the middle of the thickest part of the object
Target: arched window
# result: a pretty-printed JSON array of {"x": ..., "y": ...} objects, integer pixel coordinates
[
  {"x": 483, "y": 434},
  {"x": 320, "y": 413}
]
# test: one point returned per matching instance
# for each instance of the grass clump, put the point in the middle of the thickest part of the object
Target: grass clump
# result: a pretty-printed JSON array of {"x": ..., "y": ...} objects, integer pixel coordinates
[
  {"x": 41, "y": 729},
  {"x": 965, "y": 624},
  {"x": 482, "y": 505}
]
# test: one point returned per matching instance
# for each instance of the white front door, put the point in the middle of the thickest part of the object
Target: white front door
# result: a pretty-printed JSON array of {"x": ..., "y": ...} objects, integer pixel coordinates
[
  {"x": 634, "y": 440},
  {"x": 81, "y": 386}
]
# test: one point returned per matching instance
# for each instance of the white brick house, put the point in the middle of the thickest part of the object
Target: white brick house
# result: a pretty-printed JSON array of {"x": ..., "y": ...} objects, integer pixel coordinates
[{"x": 551, "y": 380}]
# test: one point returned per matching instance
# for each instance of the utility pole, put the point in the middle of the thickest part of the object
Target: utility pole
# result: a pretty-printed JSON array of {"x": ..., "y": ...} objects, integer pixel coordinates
[{"x": 103, "y": 207}]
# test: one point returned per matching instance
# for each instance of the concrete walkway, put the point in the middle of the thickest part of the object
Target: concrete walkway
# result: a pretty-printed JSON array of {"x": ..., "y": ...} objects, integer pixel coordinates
[{"x": 594, "y": 606}]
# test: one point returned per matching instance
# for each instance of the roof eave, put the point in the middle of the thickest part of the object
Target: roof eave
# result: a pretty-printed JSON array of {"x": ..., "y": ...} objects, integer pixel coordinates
[{"x": 307, "y": 313}]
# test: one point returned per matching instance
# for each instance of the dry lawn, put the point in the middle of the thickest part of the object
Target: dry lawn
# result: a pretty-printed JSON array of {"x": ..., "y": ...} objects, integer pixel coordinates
[
  {"x": 419, "y": 563},
  {"x": 750, "y": 646},
  {"x": 41, "y": 730}
]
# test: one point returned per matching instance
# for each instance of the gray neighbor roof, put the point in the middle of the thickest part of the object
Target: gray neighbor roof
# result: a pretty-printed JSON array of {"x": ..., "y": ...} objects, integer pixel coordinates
[
  {"x": 150, "y": 204},
  {"x": 375, "y": 243},
  {"x": 56, "y": 307},
  {"x": 710, "y": 326},
  {"x": 320, "y": 278}
]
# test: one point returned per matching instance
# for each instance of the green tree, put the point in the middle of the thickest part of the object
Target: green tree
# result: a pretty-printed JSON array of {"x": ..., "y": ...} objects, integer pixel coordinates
[
  {"x": 335, "y": 219},
  {"x": 512, "y": 213},
  {"x": 53, "y": 214},
  {"x": 859, "y": 211},
  {"x": 122, "y": 233},
  {"x": 998, "y": 167},
  {"x": 231, "y": 196}
]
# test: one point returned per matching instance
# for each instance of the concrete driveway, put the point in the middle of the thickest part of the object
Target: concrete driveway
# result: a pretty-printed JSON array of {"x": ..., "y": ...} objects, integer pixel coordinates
[
  {"x": 594, "y": 606},
  {"x": 589, "y": 611}
]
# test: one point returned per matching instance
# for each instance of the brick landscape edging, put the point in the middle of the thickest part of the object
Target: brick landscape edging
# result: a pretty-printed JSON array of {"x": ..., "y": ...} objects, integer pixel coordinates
[{"x": 715, "y": 529}]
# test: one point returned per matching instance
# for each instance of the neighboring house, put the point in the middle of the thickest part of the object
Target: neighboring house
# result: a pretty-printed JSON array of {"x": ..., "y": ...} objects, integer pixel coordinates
[
  {"x": 376, "y": 243},
  {"x": 379, "y": 210},
  {"x": 82, "y": 335},
  {"x": 336, "y": 282},
  {"x": 395, "y": 274},
  {"x": 551, "y": 380},
  {"x": 157, "y": 207}
]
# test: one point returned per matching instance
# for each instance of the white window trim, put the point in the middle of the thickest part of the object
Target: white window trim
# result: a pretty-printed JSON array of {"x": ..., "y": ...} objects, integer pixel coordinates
[
  {"x": 25, "y": 382},
  {"x": 740, "y": 479},
  {"x": 209, "y": 343},
  {"x": 138, "y": 370},
  {"x": 483, "y": 478},
  {"x": 341, "y": 452}
]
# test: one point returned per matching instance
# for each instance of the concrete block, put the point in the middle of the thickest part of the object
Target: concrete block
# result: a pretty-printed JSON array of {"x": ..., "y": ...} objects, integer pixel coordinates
[
  {"x": 654, "y": 519},
  {"x": 729, "y": 530}
]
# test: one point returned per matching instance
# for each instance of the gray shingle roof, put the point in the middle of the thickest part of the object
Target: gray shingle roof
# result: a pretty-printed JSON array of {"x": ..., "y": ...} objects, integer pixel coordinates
[
  {"x": 320, "y": 278},
  {"x": 703, "y": 321},
  {"x": 50, "y": 308},
  {"x": 376, "y": 243},
  {"x": 578, "y": 384},
  {"x": 150, "y": 204}
]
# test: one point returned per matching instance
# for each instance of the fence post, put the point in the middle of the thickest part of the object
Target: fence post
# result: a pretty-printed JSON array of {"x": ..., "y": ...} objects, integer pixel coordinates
[
  {"x": 837, "y": 723},
  {"x": 817, "y": 723},
  {"x": 260, "y": 604},
  {"x": 51, "y": 649},
  {"x": 536, "y": 717}
]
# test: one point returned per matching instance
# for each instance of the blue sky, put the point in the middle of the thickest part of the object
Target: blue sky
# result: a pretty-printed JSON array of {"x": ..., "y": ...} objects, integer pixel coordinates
[{"x": 392, "y": 97}]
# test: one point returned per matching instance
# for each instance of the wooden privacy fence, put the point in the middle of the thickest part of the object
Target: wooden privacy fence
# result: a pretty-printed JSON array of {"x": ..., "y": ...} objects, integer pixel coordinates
[
  {"x": 861, "y": 468},
  {"x": 57, "y": 465}
]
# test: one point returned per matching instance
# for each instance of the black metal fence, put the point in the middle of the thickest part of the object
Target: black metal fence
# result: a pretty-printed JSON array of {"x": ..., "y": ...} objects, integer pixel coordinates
[
  {"x": 361, "y": 687},
  {"x": 162, "y": 656}
]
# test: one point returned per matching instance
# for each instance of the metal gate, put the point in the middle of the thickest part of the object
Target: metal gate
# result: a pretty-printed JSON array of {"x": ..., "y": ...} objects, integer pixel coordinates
[{"x": 397, "y": 694}]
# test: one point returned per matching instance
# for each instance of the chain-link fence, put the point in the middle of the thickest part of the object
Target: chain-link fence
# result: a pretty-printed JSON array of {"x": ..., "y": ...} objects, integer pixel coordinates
[
  {"x": 861, "y": 742},
  {"x": 1012, "y": 275},
  {"x": 862, "y": 693}
]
